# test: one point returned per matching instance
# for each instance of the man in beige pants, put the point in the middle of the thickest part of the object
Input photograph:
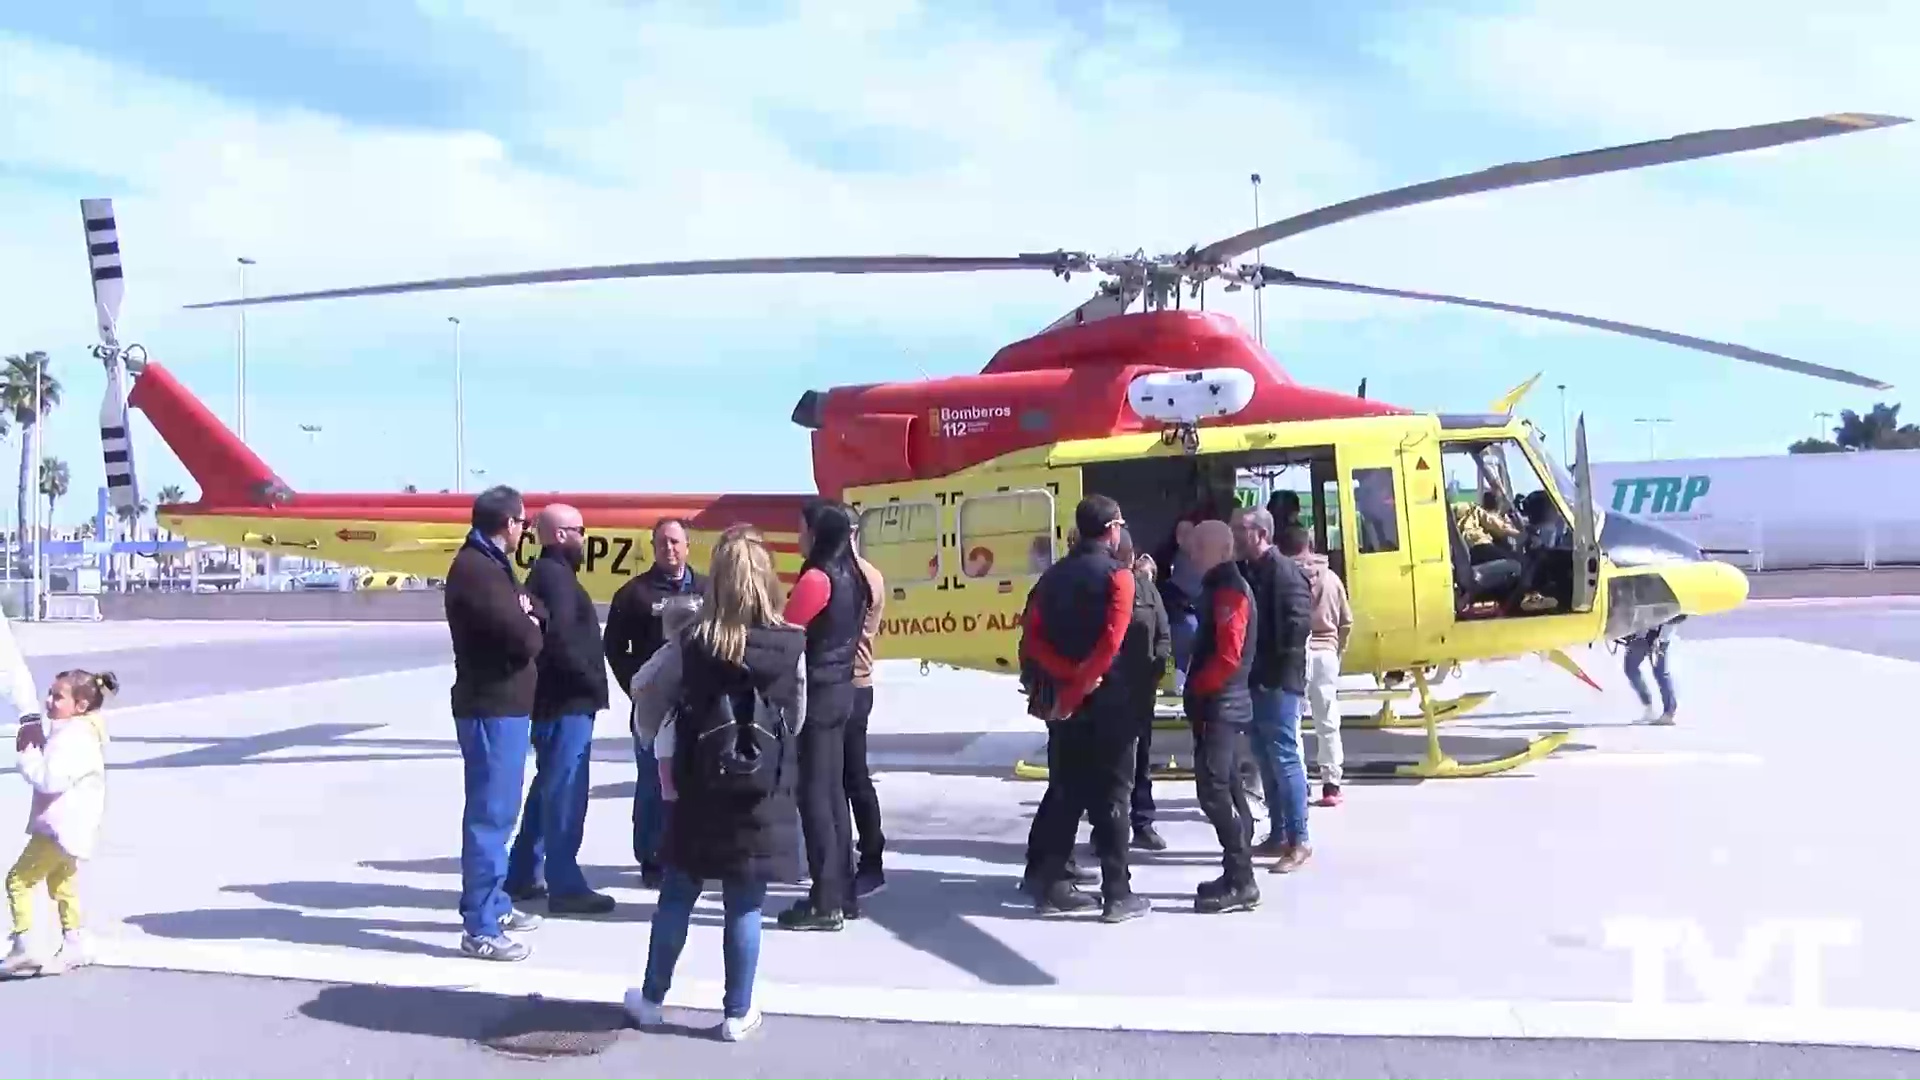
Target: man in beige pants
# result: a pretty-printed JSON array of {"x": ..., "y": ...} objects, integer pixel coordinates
[{"x": 1329, "y": 624}]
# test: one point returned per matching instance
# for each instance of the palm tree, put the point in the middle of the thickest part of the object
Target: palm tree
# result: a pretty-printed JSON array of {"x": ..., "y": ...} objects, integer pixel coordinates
[
  {"x": 53, "y": 483},
  {"x": 18, "y": 378},
  {"x": 130, "y": 518},
  {"x": 1877, "y": 429},
  {"x": 170, "y": 495}
]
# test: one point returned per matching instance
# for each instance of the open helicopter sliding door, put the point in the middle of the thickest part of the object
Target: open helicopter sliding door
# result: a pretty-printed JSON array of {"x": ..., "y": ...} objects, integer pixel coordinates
[
  {"x": 1009, "y": 526},
  {"x": 1379, "y": 561},
  {"x": 959, "y": 555},
  {"x": 902, "y": 531},
  {"x": 1586, "y": 525}
]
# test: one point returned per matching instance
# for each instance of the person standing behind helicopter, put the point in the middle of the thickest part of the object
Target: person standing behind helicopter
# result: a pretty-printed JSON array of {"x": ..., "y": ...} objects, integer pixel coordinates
[
  {"x": 1144, "y": 653},
  {"x": 1653, "y": 644}
]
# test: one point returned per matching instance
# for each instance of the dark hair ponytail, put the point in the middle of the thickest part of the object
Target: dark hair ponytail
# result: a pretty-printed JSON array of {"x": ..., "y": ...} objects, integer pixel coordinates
[{"x": 90, "y": 689}]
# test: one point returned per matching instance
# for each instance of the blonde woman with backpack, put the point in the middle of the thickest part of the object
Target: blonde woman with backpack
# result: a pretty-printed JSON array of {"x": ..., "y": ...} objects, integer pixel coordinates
[{"x": 735, "y": 682}]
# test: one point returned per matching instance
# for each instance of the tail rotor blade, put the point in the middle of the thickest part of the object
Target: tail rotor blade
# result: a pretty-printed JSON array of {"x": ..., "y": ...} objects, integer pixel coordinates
[
  {"x": 103, "y": 259},
  {"x": 109, "y": 286}
]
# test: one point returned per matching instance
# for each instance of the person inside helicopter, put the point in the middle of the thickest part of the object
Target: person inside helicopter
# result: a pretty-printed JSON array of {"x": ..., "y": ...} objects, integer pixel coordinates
[
  {"x": 1490, "y": 533},
  {"x": 1546, "y": 577}
]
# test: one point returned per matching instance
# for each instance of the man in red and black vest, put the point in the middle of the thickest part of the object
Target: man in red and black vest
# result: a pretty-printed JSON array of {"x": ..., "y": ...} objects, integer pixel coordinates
[
  {"x": 1076, "y": 620},
  {"x": 1219, "y": 706}
]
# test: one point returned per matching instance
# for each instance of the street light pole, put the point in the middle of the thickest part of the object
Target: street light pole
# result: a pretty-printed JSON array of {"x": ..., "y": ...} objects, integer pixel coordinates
[
  {"x": 35, "y": 591},
  {"x": 459, "y": 413},
  {"x": 240, "y": 372},
  {"x": 1564, "y": 455},
  {"x": 1259, "y": 296},
  {"x": 1652, "y": 428},
  {"x": 1822, "y": 431}
]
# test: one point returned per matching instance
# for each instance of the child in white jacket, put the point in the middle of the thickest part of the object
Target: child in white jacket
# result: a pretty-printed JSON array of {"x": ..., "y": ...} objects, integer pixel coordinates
[{"x": 62, "y": 756}]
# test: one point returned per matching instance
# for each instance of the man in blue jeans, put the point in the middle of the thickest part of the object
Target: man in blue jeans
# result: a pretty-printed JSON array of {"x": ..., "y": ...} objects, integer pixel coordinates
[
  {"x": 496, "y": 631},
  {"x": 1283, "y": 602},
  {"x": 569, "y": 692},
  {"x": 634, "y": 633}
]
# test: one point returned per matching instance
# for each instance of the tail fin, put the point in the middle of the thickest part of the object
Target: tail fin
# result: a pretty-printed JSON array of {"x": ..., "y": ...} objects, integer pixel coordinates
[{"x": 218, "y": 461}]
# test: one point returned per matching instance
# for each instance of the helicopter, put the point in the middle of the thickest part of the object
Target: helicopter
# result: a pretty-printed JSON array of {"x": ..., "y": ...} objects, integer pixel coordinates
[{"x": 965, "y": 486}]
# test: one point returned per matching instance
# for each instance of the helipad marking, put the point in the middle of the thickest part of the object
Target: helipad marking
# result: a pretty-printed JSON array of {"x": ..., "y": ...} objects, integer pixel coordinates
[
  {"x": 1885, "y": 1028},
  {"x": 1661, "y": 757}
]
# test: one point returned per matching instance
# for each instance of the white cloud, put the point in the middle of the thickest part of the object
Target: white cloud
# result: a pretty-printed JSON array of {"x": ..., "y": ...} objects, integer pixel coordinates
[{"x": 661, "y": 133}]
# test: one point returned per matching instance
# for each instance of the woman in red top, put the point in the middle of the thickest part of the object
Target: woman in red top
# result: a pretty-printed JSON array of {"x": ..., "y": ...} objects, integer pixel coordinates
[{"x": 830, "y": 600}]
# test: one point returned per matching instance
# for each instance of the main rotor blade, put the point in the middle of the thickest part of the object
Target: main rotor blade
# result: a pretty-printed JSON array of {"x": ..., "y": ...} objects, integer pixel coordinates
[
  {"x": 1699, "y": 144},
  {"x": 831, "y": 264},
  {"x": 1685, "y": 341}
]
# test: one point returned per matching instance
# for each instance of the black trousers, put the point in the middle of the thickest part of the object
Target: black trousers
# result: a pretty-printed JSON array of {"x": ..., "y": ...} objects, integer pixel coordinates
[
  {"x": 1141, "y": 705},
  {"x": 825, "y": 822},
  {"x": 1216, "y": 785},
  {"x": 862, "y": 800},
  {"x": 1090, "y": 760}
]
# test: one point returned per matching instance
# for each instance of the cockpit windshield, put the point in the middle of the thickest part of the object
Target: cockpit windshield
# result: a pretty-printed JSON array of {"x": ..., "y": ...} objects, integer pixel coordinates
[{"x": 1562, "y": 479}]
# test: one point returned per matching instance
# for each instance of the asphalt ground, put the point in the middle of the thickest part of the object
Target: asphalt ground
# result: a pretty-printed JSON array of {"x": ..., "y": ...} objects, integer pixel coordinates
[
  {"x": 223, "y": 1025},
  {"x": 106, "y": 1022}
]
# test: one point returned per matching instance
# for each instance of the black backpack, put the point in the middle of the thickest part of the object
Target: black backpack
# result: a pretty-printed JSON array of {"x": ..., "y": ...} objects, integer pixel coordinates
[{"x": 724, "y": 742}]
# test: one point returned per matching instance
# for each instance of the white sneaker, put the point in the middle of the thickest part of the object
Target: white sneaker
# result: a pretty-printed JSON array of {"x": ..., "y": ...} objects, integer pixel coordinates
[
  {"x": 643, "y": 1013},
  {"x": 1665, "y": 719},
  {"x": 19, "y": 959},
  {"x": 736, "y": 1028},
  {"x": 75, "y": 952},
  {"x": 1649, "y": 714}
]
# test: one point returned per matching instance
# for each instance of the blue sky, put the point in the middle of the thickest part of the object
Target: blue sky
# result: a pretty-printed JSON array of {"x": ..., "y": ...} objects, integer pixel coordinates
[{"x": 384, "y": 141}]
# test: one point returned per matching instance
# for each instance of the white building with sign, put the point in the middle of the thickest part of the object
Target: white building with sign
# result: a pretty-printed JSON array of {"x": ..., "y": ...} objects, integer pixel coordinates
[{"x": 1787, "y": 512}]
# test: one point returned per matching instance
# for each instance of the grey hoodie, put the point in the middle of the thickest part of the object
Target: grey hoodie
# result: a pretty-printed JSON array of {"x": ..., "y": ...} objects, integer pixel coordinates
[{"x": 1331, "y": 617}]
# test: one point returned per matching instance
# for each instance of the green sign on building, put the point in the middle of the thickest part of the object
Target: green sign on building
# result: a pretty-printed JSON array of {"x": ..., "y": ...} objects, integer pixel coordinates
[{"x": 1658, "y": 494}]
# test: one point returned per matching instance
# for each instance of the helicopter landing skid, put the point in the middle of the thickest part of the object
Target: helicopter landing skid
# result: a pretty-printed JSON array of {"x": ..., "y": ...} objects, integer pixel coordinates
[
  {"x": 1169, "y": 716},
  {"x": 1436, "y": 764}
]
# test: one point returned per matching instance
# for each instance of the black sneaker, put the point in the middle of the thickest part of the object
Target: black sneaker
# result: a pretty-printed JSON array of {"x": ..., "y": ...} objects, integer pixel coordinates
[
  {"x": 1240, "y": 896},
  {"x": 1146, "y": 838},
  {"x": 1063, "y": 899},
  {"x": 498, "y": 947},
  {"x": 526, "y": 893},
  {"x": 802, "y": 916},
  {"x": 586, "y": 903},
  {"x": 1119, "y": 909},
  {"x": 868, "y": 880}
]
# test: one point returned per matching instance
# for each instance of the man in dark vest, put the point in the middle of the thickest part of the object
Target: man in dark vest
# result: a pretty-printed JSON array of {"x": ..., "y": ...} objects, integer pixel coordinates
[
  {"x": 1074, "y": 626},
  {"x": 569, "y": 693},
  {"x": 1219, "y": 706},
  {"x": 496, "y": 637},
  {"x": 632, "y": 636}
]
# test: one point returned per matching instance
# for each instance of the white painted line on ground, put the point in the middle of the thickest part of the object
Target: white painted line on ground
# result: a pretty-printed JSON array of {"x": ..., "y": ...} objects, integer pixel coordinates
[
  {"x": 114, "y": 711},
  {"x": 1890, "y": 601},
  {"x": 1660, "y": 757},
  {"x": 1599, "y": 1020}
]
